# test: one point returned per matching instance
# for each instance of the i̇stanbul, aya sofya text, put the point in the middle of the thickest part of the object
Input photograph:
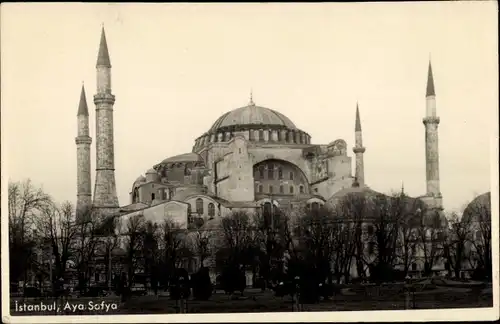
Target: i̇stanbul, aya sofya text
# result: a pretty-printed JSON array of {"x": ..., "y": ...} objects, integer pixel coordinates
[{"x": 64, "y": 307}]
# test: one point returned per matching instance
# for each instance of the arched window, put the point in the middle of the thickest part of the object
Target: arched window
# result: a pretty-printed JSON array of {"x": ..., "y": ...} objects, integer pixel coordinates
[
  {"x": 189, "y": 217},
  {"x": 261, "y": 172},
  {"x": 164, "y": 194},
  {"x": 301, "y": 189},
  {"x": 267, "y": 209},
  {"x": 211, "y": 210},
  {"x": 261, "y": 135},
  {"x": 135, "y": 197},
  {"x": 282, "y": 189},
  {"x": 260, "y": 189},
  {"x": 270, "y": 189},
  {"x": 291, "y": 175},
  {"x": 291, "y": 189},
  {"x": 270, "y": 172},
  {"x": 153, "y": 196},
  {"x": 370, "y": 229},
  {"x": 199, "y": 206},
  {"x": 280, "y": 173}
]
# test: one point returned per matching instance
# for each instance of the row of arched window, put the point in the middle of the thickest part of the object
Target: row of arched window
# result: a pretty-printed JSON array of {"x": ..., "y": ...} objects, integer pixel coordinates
[
  {"x": 291, "y": 189},
  {"x": 271, "y": 169},
  {"x": 200, "y": 208}
]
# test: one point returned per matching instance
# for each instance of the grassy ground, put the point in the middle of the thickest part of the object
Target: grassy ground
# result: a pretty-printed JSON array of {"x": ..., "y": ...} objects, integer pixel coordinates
[{"x": 389, "y": 298}]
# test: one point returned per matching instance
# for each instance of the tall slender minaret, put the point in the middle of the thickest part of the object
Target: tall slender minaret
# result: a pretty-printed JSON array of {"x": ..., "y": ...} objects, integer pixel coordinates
[
  {"x": 359, "y": 150},
  {"x": 105, "y": 198},
  {"x": 431, "y": 122},
  {"x": 83, "y": 142}
]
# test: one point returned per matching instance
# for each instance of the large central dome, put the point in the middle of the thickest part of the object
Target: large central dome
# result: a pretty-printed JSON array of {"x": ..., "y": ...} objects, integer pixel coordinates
[
  {"x": 257, "y": 124},
  {"x": 252, "y": 115}
]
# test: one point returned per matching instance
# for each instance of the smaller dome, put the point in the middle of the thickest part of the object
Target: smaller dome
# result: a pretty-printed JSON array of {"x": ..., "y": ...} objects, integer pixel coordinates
[
  {"x": 151, "y": 171},
  {"x": 479, "y": 208},
  {"x": 366, "y": 191},
  {"x": 141, "y": 178},
  {"x": 186, "y": 157}
]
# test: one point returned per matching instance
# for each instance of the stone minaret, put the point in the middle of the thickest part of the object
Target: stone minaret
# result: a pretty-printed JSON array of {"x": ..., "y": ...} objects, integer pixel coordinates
[
  {"x": 431, "y": 122},
  {"x": 359, "y": 150},
  {"x": 83, "y": 142},
  {"x": 105, "y": 198}
]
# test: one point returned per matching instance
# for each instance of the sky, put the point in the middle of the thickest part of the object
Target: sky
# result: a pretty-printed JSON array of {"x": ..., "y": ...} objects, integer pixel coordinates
[{"x": 178, "y": 67}]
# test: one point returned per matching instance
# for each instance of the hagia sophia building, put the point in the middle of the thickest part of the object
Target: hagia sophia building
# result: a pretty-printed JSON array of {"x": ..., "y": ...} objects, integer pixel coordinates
[{"x": 251, "y": 157}]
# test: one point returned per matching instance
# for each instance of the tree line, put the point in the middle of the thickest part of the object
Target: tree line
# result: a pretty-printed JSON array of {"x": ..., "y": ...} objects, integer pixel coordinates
[{"x": 379, "y": 236}]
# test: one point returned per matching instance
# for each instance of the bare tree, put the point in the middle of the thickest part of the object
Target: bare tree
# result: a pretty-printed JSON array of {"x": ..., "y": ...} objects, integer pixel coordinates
[
  {"x": 319, "y": 234},
  {"x": 455, "y": 250},
  {"x": 25, "y": 201},
  {"x": 85, "y": 247},
  {"x": 133, "y": 246},
  {"x": 388, "y": 213},
  {"x": 150, "y": 253},
  {"x": 95, "y": 237},
  {"x": 478, "y": 214},
  {"x": 201, "y": 244},
  {"x": 272, "y": 237},
  {"x": 237, "y": 236},
  {"x": 349, "y": 242},
  {"x": 407, "y": 240},
  {"x": 59, "y": 230},
  {"x": 430, "y": 235},
  {"x": 172, "y": 239}
]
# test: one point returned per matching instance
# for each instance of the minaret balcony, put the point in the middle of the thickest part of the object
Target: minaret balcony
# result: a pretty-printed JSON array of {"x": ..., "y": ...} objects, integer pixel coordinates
[
  {"x": 106, "y": 98},
  {"x": 358, "y": 149},
  {"x": 83, "y": 140},
  {"x": 431, "y": 120}
]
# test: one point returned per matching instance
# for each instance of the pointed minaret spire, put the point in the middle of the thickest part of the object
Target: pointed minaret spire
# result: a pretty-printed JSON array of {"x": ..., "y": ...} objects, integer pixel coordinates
[
  {"x": 402, "y": 187},
  {"x": 431, "y": 122},
  {"x": 83, "y": 110},
  {"x": 251, "y": 103},
  {"x": 359, "y": 150},
  {"x": 357, "y": 128},
  {"x": 83, "y": 142},
  {"x": 430, "y": 82},
  {"x": 105, "y": 197},
  {"x": 103, "y": 56}
]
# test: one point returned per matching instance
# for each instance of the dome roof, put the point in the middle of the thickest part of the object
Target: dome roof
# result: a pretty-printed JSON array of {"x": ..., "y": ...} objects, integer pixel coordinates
[
  {"x": 365, "y": 191},
  {"x": 479, "y": 207},
  {"x": 252, "y": 115},
  {"x": 141, "y": 178},
  {"x": 186, "y": 157}
]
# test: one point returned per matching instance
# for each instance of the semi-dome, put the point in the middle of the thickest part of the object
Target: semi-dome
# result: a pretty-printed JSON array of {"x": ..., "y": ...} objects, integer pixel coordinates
[
  {"x": 252, "y": 115},
  {"x": 141, "y": 178},
  {"x": 151, "y": 171}
]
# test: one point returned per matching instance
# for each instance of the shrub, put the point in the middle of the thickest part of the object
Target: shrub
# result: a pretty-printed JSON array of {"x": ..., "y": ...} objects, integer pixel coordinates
[
  {"x": 202, "y": 285},
  {"x": 180, "y": 285},
  {"x": 233, "y": 279}
]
